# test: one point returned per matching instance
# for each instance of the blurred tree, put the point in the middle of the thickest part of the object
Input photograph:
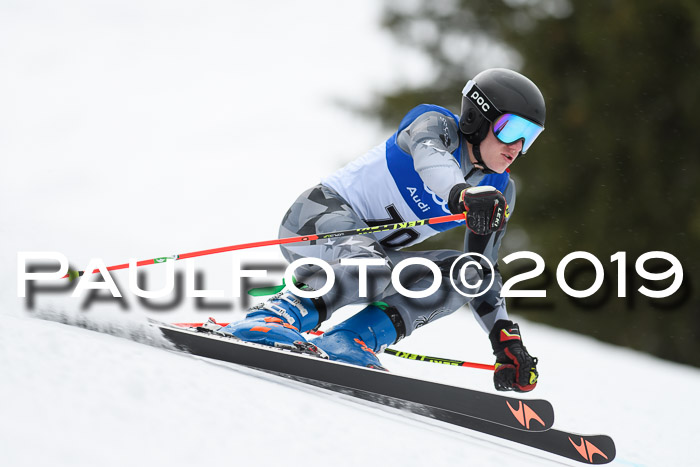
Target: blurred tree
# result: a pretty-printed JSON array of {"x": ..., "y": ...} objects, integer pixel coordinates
[{"x": 617, "y": 167}]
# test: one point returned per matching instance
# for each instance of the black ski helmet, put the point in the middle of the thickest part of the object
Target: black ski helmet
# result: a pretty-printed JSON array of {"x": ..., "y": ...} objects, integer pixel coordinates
[{"x": 495, "y": 92}]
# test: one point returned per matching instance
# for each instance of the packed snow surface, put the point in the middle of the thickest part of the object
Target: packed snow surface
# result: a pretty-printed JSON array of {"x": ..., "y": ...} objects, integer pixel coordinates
[{"x": 75, "y": 397}]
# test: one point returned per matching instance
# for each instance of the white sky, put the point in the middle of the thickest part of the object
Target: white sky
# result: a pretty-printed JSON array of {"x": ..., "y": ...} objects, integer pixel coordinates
[{"x": 148, "y": 128}]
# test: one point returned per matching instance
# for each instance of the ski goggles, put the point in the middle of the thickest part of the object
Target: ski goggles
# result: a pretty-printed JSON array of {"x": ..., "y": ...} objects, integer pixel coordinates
[{"x": 507, "y": 127}]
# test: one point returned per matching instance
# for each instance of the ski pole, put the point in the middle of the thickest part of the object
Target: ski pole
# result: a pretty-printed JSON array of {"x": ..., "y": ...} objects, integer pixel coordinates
[
  {"x": 426, "y": 358},
  {"x": 281, "y": 241},
  {"x": 443, "y": 361}
]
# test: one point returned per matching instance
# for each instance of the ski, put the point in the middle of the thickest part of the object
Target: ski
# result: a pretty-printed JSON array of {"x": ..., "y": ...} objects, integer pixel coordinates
[
  {"x": 527, "y": 422},
  {"x": 374, "y": 385}
]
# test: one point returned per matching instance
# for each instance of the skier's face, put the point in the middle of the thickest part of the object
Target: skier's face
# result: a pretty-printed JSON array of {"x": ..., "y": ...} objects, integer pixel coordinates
[{"x": 498, "y": 155}]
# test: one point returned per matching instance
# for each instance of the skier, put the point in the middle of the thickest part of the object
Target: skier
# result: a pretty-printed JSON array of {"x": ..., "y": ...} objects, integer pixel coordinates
[{"x": 437, "y": 163}]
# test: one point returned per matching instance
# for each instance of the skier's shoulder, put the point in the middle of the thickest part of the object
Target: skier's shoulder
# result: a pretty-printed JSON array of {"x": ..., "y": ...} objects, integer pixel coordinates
[
  {"x": 429, "y": 114},
  {"x": 430, "y": 123}
]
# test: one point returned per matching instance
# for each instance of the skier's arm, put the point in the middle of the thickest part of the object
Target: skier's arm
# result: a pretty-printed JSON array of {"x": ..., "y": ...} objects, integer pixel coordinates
[
  {"x": 490, "y": 307},
  {"x": 516, "y": 369},
  {"x": 431, "y": 139}
]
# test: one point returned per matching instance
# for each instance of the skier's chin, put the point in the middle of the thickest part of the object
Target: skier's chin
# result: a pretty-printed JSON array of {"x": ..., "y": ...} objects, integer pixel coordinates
[{"x": 498, "y": 168}]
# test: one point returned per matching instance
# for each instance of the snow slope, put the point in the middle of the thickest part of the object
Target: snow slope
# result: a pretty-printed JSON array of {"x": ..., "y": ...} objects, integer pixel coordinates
[
  {"x": 143, "y": 128},
  {"x": 75, "y": 397}
]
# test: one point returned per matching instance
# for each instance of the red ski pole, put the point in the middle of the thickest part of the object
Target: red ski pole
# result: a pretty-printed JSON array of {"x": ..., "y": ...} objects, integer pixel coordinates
[
  {"x": 443, "y": 361},
  {"x": 280, "y": 241}
]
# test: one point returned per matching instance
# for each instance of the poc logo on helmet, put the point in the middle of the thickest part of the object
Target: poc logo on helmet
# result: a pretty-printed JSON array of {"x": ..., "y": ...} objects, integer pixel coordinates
[{"x": 480, "y": 101}]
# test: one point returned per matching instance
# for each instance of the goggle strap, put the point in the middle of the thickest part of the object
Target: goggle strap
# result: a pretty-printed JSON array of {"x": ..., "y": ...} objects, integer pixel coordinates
[{"x": 472, "y": 92}]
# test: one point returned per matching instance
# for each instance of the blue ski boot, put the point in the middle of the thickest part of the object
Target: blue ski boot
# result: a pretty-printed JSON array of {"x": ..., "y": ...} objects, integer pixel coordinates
[
  {"x": 358, "y": 339},
  {"x": 278, "y": 322}
]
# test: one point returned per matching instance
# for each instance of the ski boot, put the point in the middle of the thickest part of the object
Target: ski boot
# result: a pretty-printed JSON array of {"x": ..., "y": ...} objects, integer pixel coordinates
[
  {"x": 279, "y": 322},
  {"x": 358, "y": 339}
]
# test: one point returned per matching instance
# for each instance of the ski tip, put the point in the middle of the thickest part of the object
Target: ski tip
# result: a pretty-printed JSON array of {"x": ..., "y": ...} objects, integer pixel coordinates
[
  {"x": 595, "y": 449},
  {"x": 531, "y": 415}
]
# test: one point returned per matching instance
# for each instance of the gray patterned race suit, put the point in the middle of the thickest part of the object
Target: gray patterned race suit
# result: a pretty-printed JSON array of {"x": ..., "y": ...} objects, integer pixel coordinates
[{"x": 346, "y": 199}]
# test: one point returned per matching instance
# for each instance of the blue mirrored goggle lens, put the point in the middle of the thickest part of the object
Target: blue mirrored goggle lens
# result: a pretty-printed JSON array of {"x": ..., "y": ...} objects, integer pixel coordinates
[{"x": 509, "y": 128}]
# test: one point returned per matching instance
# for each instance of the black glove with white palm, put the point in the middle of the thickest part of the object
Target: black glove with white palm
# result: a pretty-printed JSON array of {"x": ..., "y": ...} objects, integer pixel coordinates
[
  {"x": 515, "y": 369},
  {"x": 484, "y": 207}
]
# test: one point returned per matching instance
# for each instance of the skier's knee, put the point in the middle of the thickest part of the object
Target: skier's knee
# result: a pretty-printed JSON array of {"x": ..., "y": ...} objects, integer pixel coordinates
[{"x": 378, "y": 279}]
